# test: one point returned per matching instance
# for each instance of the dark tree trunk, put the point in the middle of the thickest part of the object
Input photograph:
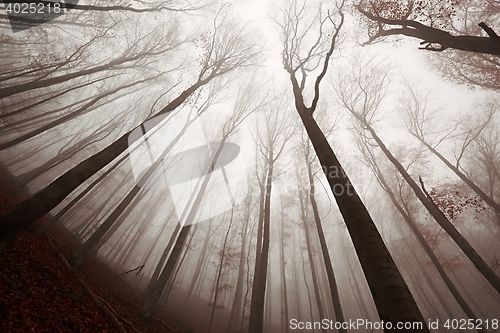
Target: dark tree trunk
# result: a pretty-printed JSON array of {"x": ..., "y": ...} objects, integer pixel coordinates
[
  {"x": 440, "y": 218},
  {"x": 24, "y": 214},
  {"x": 392, "y": 298},
  {"x": 256, "y": 320},
  {"x": 332, "y": 283}
]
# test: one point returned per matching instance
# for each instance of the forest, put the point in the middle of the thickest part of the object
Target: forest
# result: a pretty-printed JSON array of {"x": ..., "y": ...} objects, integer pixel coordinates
[{"x": 250, "y": 166}]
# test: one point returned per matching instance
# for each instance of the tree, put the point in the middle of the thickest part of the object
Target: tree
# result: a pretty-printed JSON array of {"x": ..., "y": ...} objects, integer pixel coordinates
[
  {"x": 409, "y": 18},
  {"x": 299, "y": 59},
  {"x": 271, "y": 143},
  {"x": 246, "y": 104},
  {"x": 334, "y": 293},
  {"x": 228, "y": 48},
  {"x": 403, "y": 208},
  {"x": 362, "y": 97},
  {"x": 418, "y": 120}
]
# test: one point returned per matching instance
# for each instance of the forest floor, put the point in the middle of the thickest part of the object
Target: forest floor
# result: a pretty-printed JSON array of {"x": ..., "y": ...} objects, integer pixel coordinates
[{"x": 39, "y": 294}]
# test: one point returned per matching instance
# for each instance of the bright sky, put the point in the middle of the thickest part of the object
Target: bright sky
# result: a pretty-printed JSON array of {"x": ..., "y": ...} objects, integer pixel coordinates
[{"x": 405, "y": 58}]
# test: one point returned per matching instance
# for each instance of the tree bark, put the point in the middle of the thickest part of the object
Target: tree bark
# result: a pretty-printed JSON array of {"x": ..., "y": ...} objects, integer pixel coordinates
[
  {"x": 440, "y": 218},
  {"x": 332, "y": 283},
  {"x": 430, "y": 35},
  {"x": 14, "y": 220},
  {"x": 390, "y": 293},
  {"x": 256, "y": 319}
]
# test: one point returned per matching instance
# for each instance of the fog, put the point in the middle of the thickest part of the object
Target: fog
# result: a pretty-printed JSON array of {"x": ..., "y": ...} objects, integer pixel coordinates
[{"x": 257, "y": 166}]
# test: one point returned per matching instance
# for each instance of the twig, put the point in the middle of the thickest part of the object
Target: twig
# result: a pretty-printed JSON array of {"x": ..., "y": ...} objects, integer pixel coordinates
[
  {"x": 138, "y": 268},
  {"x": 489, "y": 31},
  {"x": 57, "y": 240},
  {"x": 164, "y": 324},
  {"x": 117, "y": 315},
  {"x": 105, "y": 309}
]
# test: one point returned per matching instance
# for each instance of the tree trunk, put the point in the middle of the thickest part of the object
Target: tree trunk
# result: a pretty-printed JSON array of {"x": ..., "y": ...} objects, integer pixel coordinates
[
  {"x": 284, "y": 298},
  {"x": 219, "y": 273},
  {"x": 440, "y": 218},
  {"x": 16, "y": 219},
  {"x": 152, "y": 298},
  {"x": 332, "y": 283},
  {"x": 314, "y": 277},
  {"x": 256, "y": 320},
  {"x": 489, "y": 200},
  {"x": 69, "y": 116},
  {"x": 63, "y": 211},
  {"x": 236, "y": 309},
  {"x": 79, "y": 256},
  {"x": 416, "y": 232},
  {"x": 36, "y": 84},
  {"x": 392, "y": 298}
]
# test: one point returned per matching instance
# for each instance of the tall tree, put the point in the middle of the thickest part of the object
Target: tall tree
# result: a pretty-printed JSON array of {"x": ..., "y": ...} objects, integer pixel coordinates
[
  {"x": 246, "y": 103},
  {"x": 332, "y": 283},
  {"x": 404, "y": 210},
  {"x": 228, "y": 48},
  {"x": 362, "y": 97},
  {"x": 272, "y": 141},
  {"x": 396, "y": 305},
  {"x": 419, "y": 122},
  {"x": 425, "y": 20}
]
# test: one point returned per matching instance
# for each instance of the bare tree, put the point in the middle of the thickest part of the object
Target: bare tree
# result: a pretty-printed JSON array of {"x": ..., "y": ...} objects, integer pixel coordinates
[
  {"x": 419, "y": 122},
  {"x": 299, "y": 60},
  {"x": 362, "y": 97},
  {"x": 271, "y": 143},
  {"x": 403, "y": 208},
  {"x": 245, "y": 106},
  {"x": 390, "y": 18},
  {"x": 334, "y": 293},
  {"x": 229, "y": 48}
]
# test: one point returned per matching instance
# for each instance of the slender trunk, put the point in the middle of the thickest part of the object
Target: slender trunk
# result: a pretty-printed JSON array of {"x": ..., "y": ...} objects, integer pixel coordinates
[
  {"x": 334, "y": 291},
  {"x": 14, "y": 220},
  {"x": 392, "y": 298},
  {"x": 61, "y": 120},
  {"x": 63, "y": 211},
  {"x": 416, "y": 232},
  {"x": 90, "y": 245},
  {"x": 440, "y": 218},
  {"x": 236, "y": 309},
  {"x": 201, "y": 261},
  {"x": 152, "y": 299},
  {"x": 219, "y": 273},
  {"x": 284, "y": 297},
  {"x": 314, "y": 277},
  {"x": 489, "y": 200},
  {"x": 256, "y": 320},
  {"x": 51, "y": 97},
  {"x": 311, "y": 312},
  {"x": 161, "y": 262},
  {"x": 36, "y": 84}
]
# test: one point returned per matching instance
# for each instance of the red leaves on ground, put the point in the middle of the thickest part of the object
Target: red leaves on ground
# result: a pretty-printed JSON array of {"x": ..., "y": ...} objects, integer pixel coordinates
[{"x": 39, "y": 294}]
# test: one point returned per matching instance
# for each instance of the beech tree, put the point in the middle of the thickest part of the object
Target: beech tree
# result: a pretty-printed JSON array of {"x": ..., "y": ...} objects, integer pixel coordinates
[
  {"x": 243, "y": 108},
  {"x": 419, "y": 122},
  {"x": 402, "y": 205},
  {"x": 425, "y": 20},
  {"x": 299, "y": 60},
  {"x": 228, "y": 48},
  {"x": 271, "y": 143},
  {"x": 362, "y": 97}
]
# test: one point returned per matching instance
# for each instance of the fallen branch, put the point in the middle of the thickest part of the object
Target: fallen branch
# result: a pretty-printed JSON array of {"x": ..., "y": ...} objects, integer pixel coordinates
[
  {"x": 138, "y": 269},
  {"x": 101, "y": 305},
  {"x": 117, "y": 315},
  {"x": 164, "y": 324}
]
